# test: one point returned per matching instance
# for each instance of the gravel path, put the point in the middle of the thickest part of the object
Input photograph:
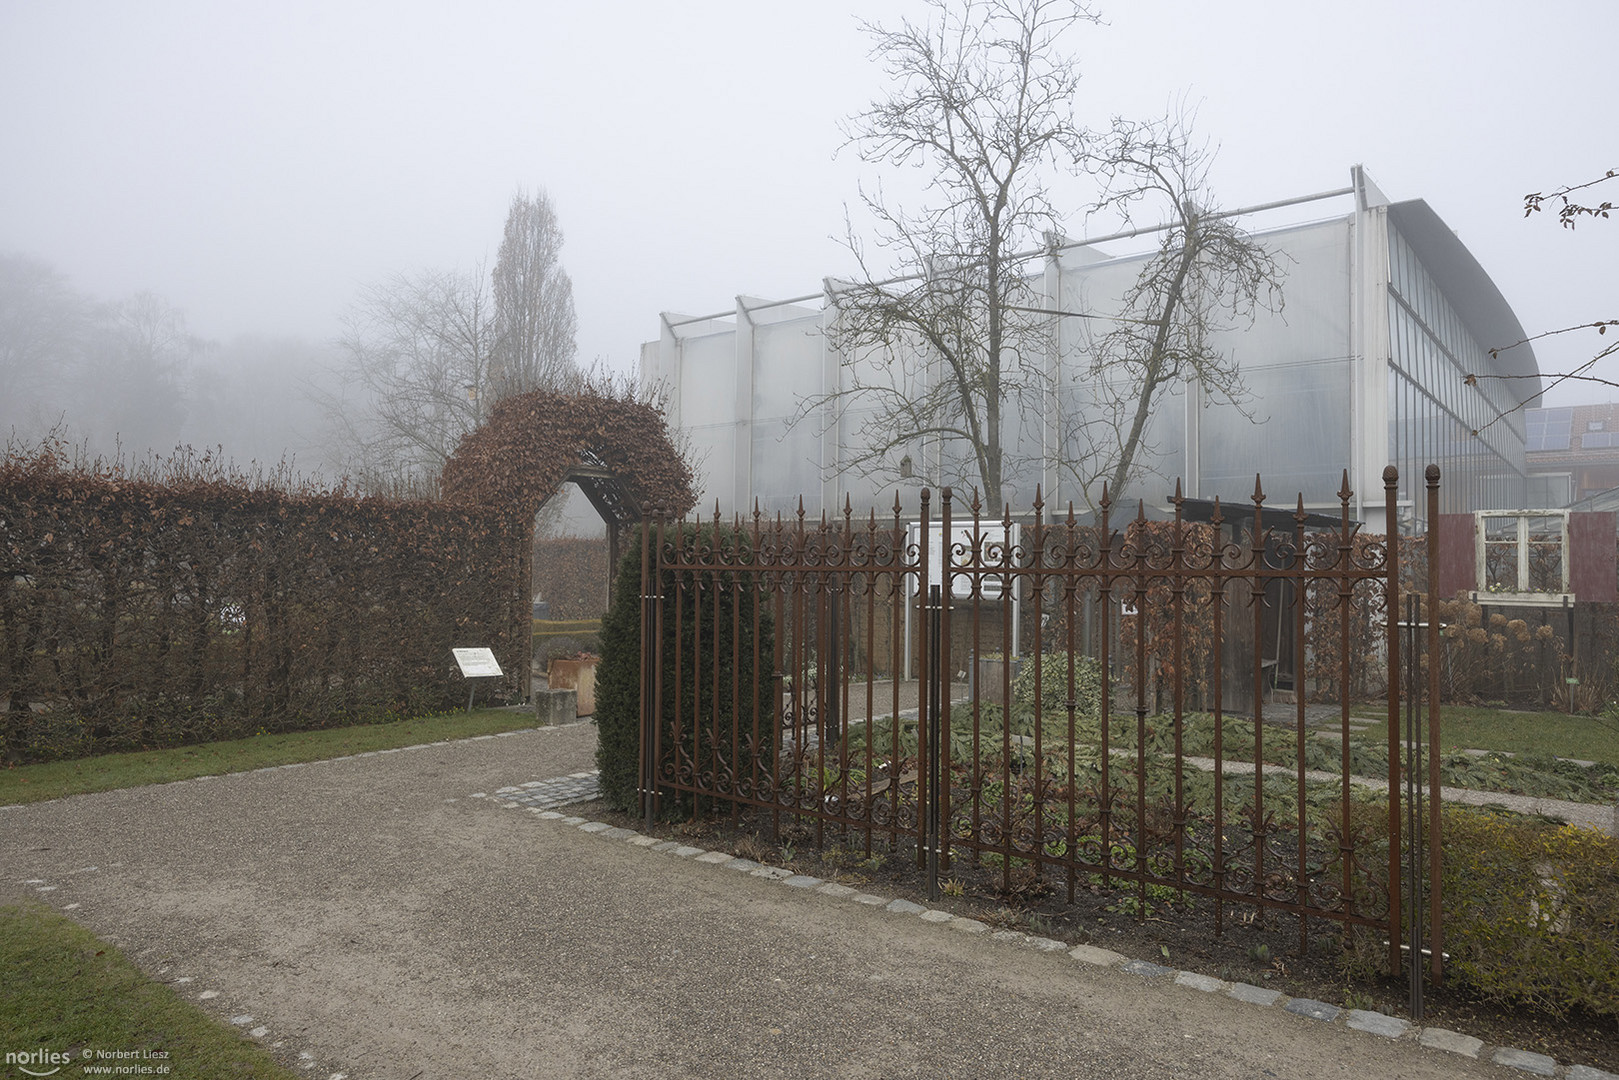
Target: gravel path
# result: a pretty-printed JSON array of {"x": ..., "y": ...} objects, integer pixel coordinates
[{"x": 368, "y": 917}]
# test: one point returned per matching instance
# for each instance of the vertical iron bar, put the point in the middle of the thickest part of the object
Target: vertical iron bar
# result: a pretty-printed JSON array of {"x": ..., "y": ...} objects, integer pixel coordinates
[
  {"x": 1008, "y": 789},
  {"x": 1142, "y": 562},
  {"x": 1301, "y": 561},
  {"x": 975, "y": 684},
  {"x": 1257, "y": 598},
  {"x": 1038, "y": 803},
  {"x": 780, "y": 582},
  {"x": 755, "y": 583},
  {"x": 926, "y": 675},
  {"x": 1344, "y": 567},
  {"x": 649, "y": 669},
  {"x": 678, "y": 731},
  {"x": 1070, "y": 583},
  {"x": 944, "y": 673},
  {"x": 1436, "y": 926},
  {"x": 1105, "y": 797},
  {"x": 738, "y": 716},
  {"x": 1413, "y": 790},
  {"x": 825, "y": 694},
  {"x": 935, "y": 736},
  {"x": 1391, "y": 600},
  {"x": 715, "y": 740},
  {"x": 1178, "y": 580},
  {"x": 871, "y": 667},
  {"x": 1217, "y": 604},
  {"x": 899, "y": 621}
]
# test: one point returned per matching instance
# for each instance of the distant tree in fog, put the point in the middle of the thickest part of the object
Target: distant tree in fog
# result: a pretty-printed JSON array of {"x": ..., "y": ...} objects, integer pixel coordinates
[
  {"x": 109, "y": 376},
  {"x": 131, "y": 383},
  {"x": 534, "y": 316},
  {"x": 427, "y": 354},
  {"x": 43, "y": 323},
  {"x": 418, "y": 350}
]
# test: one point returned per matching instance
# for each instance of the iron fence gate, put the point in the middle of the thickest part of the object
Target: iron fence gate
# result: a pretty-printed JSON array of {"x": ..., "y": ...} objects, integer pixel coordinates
[{"x": 1163, "y": 731}]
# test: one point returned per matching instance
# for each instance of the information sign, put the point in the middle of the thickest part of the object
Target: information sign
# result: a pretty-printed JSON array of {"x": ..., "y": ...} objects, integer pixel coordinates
[{"x": 477, "y": 663}]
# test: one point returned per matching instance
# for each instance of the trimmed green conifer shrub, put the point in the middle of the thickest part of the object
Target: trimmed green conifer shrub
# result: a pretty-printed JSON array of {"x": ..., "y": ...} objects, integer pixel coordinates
[
  {"x": 1532, "y": 911},
  {"x": 725, "y": 629}
]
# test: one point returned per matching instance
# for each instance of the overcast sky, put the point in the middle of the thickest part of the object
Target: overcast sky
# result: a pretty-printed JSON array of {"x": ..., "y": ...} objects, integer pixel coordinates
[{"x": 256, "y": 164}]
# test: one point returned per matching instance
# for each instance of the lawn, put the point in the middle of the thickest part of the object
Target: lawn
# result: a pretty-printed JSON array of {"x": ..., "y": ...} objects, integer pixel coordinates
[
  {"x": 53, "y": 780},
  {"x": 80, "y": 1004},
  {"x": 1588, "y": 738}
]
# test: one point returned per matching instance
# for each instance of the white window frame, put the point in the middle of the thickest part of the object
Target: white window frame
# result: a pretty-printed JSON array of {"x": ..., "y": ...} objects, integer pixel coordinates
[{"x": 1485, "y": 594}]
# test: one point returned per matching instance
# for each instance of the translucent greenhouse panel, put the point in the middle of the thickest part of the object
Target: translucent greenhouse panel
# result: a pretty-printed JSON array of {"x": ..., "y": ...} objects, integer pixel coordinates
[
  {"x": 713, "y": 457},
  {"x": 788, "y": 368},
  {"x": 708, "y": 380},
  {"x": 786, "y": 465},
  {"x": 1298, "y": 439}
]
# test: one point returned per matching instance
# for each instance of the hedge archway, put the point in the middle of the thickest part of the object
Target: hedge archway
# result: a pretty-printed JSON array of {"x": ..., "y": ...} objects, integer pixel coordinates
[{"x": 615, "y": 449}]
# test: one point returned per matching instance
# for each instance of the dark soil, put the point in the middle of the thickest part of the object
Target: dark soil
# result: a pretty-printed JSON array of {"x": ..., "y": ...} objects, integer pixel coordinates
[{"x": 1262, "y": 949}]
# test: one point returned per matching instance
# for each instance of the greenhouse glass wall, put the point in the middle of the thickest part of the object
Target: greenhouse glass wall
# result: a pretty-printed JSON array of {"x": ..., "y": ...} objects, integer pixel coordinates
[{"x": 1363, "y": 364}]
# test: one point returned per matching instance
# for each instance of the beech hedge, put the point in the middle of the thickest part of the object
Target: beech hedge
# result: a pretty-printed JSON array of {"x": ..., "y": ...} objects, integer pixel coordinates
[{"x": 185, "y": 603}]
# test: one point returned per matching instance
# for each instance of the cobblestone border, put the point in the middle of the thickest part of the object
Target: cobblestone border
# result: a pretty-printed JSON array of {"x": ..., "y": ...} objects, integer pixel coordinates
[{"x": 529, "y": 796}]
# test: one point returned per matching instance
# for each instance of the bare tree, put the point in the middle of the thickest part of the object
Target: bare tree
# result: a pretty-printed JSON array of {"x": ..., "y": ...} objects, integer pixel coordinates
[
  {"x": 533, "y": 295},
  {"x": 419, "y": 350},
  {"x": 940, "y": 345},
  {"x": 133, "y": 381},
  {"x": 43, "y": 327},
  {"x": 1569, "y": 213},
  {"x": 1206, "y": 276}
]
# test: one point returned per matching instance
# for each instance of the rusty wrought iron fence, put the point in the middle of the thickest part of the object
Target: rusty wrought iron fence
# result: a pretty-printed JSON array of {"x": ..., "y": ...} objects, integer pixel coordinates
[{"x": 858, "y": 676}]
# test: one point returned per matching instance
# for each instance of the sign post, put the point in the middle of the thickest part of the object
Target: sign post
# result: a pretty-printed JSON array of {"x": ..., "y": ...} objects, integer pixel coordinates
[{"x": 477, "y": 664}]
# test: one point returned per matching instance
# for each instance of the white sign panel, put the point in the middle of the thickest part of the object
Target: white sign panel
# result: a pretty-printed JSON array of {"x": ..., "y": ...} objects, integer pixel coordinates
[
  {"x": 477, "y": 663},
  {"x": 969, "y": 547}
]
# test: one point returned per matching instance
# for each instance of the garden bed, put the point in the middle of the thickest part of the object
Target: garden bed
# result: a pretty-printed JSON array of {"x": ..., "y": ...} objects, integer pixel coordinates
[{"x": 1263, "y": 949}]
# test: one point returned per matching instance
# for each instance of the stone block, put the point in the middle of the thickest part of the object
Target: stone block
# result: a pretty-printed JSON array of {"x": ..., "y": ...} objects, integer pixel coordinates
[
  {"x": 553, "y": 707},
  {"x": 1253, "y": 995},
  {"x": 1538, "y": 1064},
  {"x": 1090, "y": 954},
  {"x": 1315, "y": 1010},
  {"x": 1206, "y": 983},
  {"x": 1390, "y": 1027},
  {"x": 1585, "y": 1072},
  {"x": 1453, "y": 1041}
]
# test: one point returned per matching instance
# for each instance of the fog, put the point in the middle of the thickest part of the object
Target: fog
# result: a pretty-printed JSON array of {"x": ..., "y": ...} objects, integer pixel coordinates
[{"x": 237, "y": 177}]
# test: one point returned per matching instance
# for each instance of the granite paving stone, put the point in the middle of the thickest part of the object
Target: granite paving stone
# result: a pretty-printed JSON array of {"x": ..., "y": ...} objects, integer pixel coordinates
[
  {"x": 1315, "y": 1010},
  {"x": 1253, "y": 995},
  {"x": 1390, "y": 1027},
  {"x": 1453, "y": 1041},
  {"x": 1090, "y": 954},
  {"x": 1538, "y": 1064}
]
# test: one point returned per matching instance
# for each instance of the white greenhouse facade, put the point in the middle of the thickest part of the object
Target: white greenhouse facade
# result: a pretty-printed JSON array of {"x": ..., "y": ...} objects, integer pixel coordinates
[{"x": 1384, "y": 313}]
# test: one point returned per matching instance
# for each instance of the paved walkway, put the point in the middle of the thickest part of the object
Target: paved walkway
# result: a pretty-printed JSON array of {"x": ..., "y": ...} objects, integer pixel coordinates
[{"x": 368, "y": 917}]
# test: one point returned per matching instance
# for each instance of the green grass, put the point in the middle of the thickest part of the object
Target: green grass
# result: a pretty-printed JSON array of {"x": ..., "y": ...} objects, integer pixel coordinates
[
  {"x": 65, "y": 991},
  {"x": 1589, "y": 738},
  {"x": 55, "y": 779}
]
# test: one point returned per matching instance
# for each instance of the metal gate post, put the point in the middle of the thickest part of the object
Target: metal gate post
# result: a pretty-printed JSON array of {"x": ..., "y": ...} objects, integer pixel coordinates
[{"x": 651, "y": 685}]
